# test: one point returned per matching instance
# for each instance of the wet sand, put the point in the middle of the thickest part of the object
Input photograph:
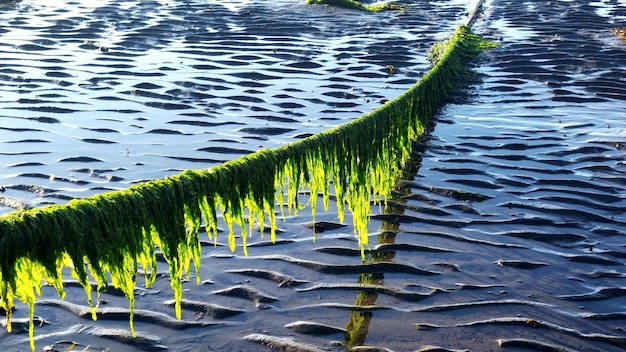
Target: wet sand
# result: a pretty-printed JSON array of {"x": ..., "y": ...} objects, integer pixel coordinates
[{"x": 508, "y": 232}]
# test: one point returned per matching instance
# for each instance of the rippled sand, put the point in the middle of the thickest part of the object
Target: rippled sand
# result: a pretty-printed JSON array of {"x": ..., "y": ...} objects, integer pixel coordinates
[{"x": 508, "y": 232}]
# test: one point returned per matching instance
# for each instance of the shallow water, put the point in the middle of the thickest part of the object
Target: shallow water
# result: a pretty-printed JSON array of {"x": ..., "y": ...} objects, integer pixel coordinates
[{"x": 509, "y": 226}]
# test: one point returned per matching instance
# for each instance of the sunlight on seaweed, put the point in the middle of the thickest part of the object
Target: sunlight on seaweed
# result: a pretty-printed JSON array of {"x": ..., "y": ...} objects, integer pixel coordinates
[
  {"x": 357, "y": 5},
  {"x": 115, "y": 232}
]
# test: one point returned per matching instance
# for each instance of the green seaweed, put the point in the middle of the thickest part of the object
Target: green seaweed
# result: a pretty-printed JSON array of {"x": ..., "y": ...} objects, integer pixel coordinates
[
  {"x": 357, "y": 5},
  {"x": 108, "y": 236}
]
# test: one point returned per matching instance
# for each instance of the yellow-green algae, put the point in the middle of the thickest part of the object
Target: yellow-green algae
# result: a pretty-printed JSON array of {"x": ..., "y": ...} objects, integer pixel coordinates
[
  {"x": 357, "y": 5},
  {"x": 113, "y": 233}
]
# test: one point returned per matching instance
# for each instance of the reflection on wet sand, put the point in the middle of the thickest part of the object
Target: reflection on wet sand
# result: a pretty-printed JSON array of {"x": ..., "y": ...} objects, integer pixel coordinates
[{"x": 357, "y": 327}]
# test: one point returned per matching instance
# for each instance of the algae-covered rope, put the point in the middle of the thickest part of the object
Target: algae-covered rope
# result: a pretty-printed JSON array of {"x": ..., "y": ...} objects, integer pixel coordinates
[{"x": 111, "y": 234}]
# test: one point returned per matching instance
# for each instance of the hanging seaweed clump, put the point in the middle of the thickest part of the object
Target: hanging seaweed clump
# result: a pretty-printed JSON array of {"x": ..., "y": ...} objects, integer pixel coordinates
[
  {"x": 112, "y": 234},
  {"x": 357, "y": 5}
]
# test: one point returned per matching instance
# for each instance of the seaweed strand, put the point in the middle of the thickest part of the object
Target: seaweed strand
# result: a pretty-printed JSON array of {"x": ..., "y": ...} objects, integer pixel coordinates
[{"x": 111, "y": 234}]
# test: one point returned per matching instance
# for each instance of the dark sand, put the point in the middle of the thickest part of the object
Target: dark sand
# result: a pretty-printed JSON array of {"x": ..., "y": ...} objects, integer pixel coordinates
[{"x": 509, "y": 231}]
